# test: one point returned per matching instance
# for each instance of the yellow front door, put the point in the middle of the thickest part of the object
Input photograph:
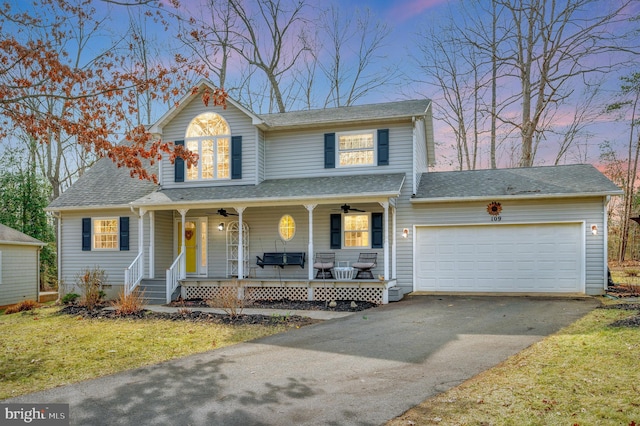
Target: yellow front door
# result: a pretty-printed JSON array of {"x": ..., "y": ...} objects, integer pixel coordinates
[{"x": 191, "y": 239}]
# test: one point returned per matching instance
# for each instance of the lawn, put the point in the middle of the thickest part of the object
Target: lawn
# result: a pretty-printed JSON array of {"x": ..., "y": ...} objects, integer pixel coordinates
[
  {"x": 43, "y": 349},
  {"x": 586, "y": 374}
]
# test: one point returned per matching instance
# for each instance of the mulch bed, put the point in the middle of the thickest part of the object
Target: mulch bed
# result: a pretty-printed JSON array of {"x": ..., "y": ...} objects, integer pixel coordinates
[
  {"x": 633, "y": 321},
  {"x": 189, "y": 312},
  {"x": 298, "y": 305}
]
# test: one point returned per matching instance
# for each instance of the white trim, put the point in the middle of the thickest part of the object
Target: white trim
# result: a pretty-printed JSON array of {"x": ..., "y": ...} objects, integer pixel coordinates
[{"x": 510, "y": 197}]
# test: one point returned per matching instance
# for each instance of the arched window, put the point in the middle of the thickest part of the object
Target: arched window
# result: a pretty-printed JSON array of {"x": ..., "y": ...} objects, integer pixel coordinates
[{"x": 209, "y": 136}]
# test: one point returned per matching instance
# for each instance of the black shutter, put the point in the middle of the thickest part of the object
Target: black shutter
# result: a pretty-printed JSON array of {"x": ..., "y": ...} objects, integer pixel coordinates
[
  {"x": 377, "y": 230},
  {"x": 236, "y": 157},
  {"x": 124, "y": 233},
  {"x": 179, "y": 165},
  {"x": 329, "y": 150},
  {"x": 86, "y": 234},
  {"x": 336, "y": 231},
  {"x": 383, "y": 147}
]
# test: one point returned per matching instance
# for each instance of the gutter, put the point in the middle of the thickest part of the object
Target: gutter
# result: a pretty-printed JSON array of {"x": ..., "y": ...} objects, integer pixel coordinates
[{"x": 510, "y": 197}]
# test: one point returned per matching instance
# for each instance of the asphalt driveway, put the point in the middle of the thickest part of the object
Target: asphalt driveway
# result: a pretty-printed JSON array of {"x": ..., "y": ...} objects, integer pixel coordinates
[{"x": 363, "y": 369}]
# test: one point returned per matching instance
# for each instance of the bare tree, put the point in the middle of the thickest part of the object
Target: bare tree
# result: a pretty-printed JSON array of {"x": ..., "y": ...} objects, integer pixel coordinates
[
  {"x": 552, "y": 47},
  {"x": 353, "y": 54},
  {"x": 630, "y": 91}
]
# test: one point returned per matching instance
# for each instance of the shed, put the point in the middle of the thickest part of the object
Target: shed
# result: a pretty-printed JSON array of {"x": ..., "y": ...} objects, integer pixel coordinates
[{"x": 19, "y": 266}]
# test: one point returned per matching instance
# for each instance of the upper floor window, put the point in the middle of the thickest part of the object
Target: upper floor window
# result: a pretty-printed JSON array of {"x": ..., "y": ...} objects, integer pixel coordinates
[
  {"x": 209, "y": 136},
  {"x": 356, "y": 148},
  {"x": 105, "y": 234}
]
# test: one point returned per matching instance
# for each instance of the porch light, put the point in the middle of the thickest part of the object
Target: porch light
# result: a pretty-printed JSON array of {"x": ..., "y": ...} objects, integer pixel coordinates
[
  {"x": 221, "y": 226},
  {"x": 405, "y": 233},
  {"x": 594, "y": 229}
]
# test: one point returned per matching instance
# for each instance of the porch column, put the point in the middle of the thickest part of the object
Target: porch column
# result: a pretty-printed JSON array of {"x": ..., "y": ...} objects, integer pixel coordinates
[
  {"x": 183, "y": 248},
  {"x": 385, "y": 244},
  {"x": 310, "y": 208},
  {"x": 141, "y": 213},
  {"x": 152, "y": 254},
  {"x": 394, "y": 246},
  {"x": 240, "y": 243}
]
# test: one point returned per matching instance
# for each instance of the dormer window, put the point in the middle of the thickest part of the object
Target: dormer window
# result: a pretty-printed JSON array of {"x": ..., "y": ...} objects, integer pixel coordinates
[{"x": 209, "y": 136}]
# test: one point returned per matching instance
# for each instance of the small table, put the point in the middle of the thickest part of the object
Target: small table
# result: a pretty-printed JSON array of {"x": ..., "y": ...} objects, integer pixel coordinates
[{"x": 343, "y": 271}]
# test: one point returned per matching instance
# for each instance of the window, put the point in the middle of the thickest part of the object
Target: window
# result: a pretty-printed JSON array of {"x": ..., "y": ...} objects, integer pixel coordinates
[
  {"x": 287, "y": 228},
  {"x": 209, "y": 135},
  {"x": 356, "y": 148},
  {"x": 356, "y": 230},
  {"x": 105, "y": 234}
]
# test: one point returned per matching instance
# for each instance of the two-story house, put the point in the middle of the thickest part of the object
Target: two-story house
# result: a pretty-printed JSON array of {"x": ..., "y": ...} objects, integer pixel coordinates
[{"x": 271, "y": 192}]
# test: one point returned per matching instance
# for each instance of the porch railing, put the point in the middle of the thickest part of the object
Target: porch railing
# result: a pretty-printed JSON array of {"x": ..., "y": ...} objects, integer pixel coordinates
[
  {"x": 175, "y": 273},
  {"x": 133, "y": 275}
]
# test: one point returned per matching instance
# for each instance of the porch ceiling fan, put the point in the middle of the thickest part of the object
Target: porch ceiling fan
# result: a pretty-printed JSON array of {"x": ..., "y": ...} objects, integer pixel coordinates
[
  {"x": 223, "y": 212},
  {"x": 346, "y": 208}
]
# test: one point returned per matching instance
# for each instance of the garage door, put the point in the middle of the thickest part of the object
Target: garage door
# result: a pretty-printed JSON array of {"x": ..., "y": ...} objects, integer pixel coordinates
[{"x": 500, "y": 258}]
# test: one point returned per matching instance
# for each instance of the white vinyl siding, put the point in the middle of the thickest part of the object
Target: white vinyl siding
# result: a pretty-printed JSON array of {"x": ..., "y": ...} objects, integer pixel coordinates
[
  {"x": 587, "y": 210},
  {"x": 74, "y": 260},
  {"x": 18, "y": 273},
  {"x": 240, "y": 125},
  {"x": 300, "y": 153}
]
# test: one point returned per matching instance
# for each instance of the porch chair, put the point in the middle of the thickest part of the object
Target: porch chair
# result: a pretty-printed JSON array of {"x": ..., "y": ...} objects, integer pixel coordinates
[
  {"x": 366, "y": 262},
  {"x": 324, "y": 263}
]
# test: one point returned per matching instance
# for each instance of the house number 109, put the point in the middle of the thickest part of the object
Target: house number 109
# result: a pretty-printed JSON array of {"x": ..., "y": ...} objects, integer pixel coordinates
[{"x": 496, "y": 218}]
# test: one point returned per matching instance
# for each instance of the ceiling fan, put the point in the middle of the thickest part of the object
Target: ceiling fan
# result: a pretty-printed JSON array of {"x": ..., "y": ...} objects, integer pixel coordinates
[
  {"x": 346, "y": 208},
  {"x": 223, "y": 212}
]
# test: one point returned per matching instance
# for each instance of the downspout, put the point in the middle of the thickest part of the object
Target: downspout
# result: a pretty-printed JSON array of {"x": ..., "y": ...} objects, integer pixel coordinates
[
  {"x": 58, "y": 217},
  {"x": 605, "y": 243}
]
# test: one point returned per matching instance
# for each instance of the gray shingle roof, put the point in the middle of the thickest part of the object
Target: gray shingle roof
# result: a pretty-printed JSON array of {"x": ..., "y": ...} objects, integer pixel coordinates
[
  {"x": 362, "y": 113},
  {"x": 533, "y": 182},
  {"x": 282, "y": 190},
  {"x": 104, "y": 184},
  {"x": 12, "y": 236}
]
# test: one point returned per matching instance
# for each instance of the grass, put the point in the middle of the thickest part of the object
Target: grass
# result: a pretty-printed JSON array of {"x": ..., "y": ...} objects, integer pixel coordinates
[
  {"x": 42, "y": 349},
  {"x": 586, "y": 374}
]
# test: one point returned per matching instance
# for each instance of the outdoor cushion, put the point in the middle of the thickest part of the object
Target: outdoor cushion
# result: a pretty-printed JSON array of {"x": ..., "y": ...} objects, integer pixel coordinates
[
  {"x": 362, "y": 265},
  {"x": 323, "y": 265}
]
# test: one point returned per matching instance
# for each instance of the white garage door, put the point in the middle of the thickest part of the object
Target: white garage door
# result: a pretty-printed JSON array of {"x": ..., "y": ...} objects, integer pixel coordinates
[{"x": 500, "y": 258}]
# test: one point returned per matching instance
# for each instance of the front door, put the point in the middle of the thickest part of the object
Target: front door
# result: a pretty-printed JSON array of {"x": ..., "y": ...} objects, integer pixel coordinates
[{"x": 195, "y": 244}]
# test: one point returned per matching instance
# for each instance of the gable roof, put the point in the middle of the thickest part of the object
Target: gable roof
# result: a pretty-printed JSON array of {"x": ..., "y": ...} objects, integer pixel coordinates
[
  {"x": 280, "y": 190},
  {"x": 104, "y": 185},
  {"x": 12, "y": 236},
  {"x": 577, "y": 180},
  {"x": 156, "y": 128},
  {"x": 348, "y": 115}
]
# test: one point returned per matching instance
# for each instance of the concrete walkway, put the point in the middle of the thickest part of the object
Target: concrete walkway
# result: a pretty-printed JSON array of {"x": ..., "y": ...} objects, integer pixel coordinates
[{"x": 362, "y": 369}]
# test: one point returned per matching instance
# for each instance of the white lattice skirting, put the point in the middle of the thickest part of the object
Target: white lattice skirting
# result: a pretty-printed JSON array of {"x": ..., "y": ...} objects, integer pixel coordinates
[{"x": 328, "y": 293}]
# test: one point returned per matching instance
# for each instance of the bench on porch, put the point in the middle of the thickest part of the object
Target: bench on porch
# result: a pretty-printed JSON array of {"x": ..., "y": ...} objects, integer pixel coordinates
[{"x": 281, "y": 259}]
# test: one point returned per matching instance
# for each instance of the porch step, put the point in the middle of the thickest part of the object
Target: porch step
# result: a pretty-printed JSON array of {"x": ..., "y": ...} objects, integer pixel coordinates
[
  {"x": 395, "y": 294},
  {"x": 154, "y": 291}
]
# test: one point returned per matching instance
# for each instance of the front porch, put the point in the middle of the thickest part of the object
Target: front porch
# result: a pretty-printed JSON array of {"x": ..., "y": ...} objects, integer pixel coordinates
[{"x": 375, "y": 291}]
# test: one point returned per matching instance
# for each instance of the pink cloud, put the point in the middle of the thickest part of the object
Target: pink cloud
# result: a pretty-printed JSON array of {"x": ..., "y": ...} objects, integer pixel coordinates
[{"x": 405, "y": 10}]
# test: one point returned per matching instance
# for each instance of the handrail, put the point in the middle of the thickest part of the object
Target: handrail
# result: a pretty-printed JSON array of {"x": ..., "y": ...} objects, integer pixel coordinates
[
  {"x": 175, "y": 273},
  {"x": 133, "y": 275}
]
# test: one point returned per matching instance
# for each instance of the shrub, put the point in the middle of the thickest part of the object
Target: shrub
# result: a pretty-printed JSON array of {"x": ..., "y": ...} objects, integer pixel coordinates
[
  {"x": 90, "y": 282},
  {"x": 70, "y": 298},
  {"x": 129, "y": 304},
  {"x": 25, "y": 305},
  {"x": 229, "y": 299}
]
